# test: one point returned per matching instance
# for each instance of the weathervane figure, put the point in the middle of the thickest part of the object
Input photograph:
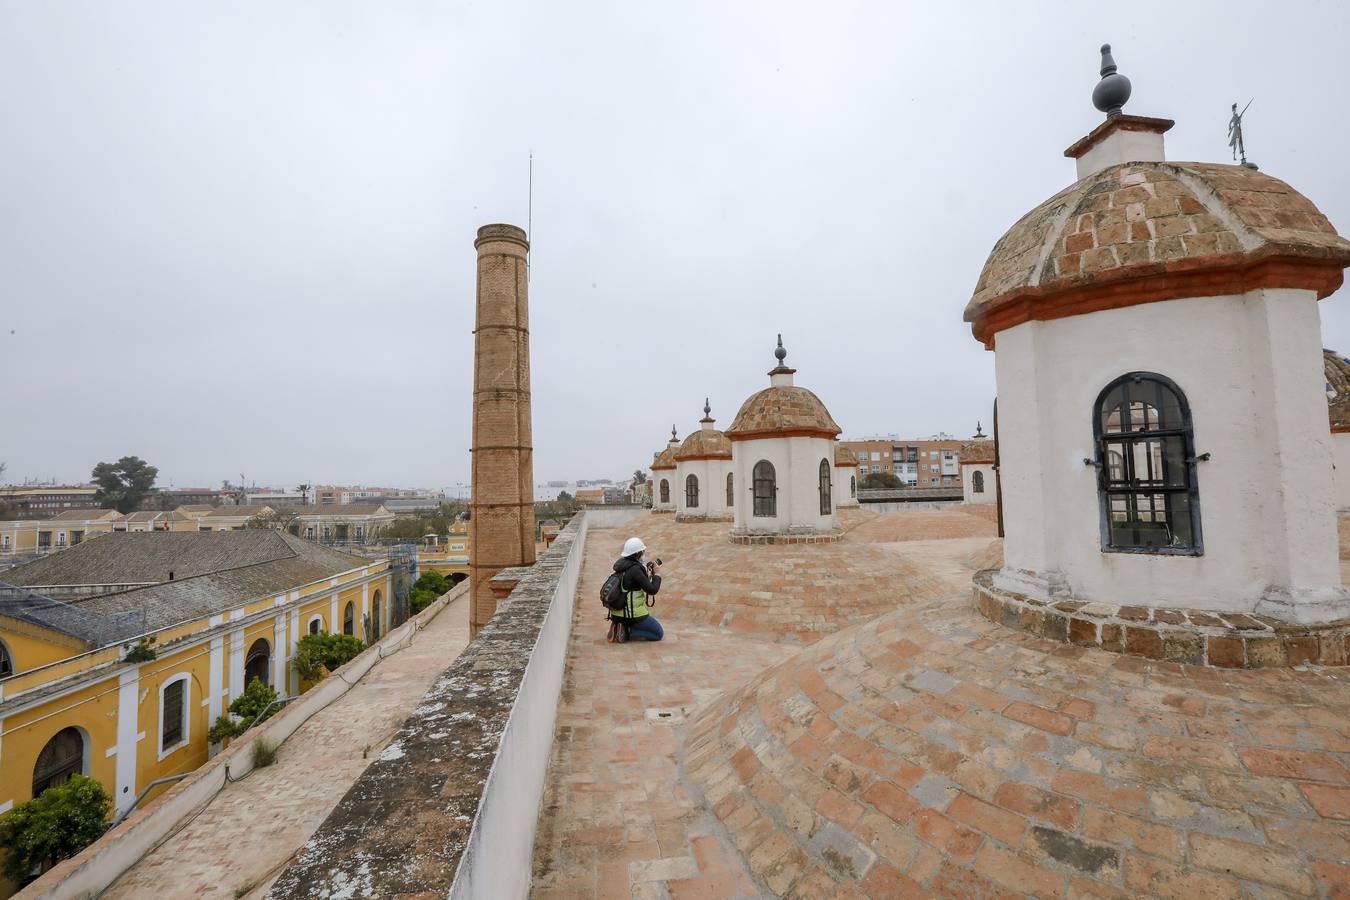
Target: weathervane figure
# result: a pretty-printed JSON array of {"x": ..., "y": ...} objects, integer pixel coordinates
[{"x": 1235, "y": 135}]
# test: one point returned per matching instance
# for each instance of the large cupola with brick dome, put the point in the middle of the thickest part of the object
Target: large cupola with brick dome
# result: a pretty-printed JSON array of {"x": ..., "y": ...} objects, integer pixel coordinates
[
  {"x": 703, "y": 481},
  {"x": 1163, "y": 430},
  {"x": 782, "y": 469}
]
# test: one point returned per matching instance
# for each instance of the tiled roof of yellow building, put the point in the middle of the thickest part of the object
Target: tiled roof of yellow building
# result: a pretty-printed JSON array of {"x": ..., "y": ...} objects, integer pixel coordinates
[{"x": 1158, "y": 218}]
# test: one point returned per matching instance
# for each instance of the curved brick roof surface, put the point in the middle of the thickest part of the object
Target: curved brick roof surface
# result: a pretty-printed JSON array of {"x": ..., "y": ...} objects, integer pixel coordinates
[
  {"x": 783, "y": 409},
  {"x": 1338, "y": 389},
  {"x": 933, "y": 753},
  {"x": 702, "y": 444},
  {"x": 844, "y": 456},
  {"x": 1154, "y": 218}
]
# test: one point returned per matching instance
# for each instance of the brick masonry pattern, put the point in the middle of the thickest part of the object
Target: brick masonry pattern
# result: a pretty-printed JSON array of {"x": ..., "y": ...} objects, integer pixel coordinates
[{"x": 1195, "y": 637}]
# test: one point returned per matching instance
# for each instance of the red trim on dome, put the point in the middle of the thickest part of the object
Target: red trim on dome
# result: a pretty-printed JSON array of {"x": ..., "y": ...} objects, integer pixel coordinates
[
  {"x": 785, "y": 432},
  {"x": 1173, "y": 280}
]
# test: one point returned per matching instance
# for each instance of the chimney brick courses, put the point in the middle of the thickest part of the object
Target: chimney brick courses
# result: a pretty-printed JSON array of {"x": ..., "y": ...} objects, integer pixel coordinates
[{"x": 502, "y": 502}]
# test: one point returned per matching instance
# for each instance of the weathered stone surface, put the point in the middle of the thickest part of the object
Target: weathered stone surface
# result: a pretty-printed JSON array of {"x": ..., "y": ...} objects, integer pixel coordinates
[{"x": 403, "y": 826}]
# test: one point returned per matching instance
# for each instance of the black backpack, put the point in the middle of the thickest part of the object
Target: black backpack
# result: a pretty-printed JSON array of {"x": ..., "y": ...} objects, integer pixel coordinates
[{"x": 612, "y": 594}]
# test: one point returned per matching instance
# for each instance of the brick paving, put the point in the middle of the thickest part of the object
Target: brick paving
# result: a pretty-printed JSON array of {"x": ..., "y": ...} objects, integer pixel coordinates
[
  {"x": 244, "y": 836},
  {"x": 616, "y": 822},
  {"x": 930, "y": 752}
]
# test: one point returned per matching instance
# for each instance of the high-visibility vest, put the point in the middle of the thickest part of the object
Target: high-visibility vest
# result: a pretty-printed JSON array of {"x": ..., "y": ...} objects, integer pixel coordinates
[{"x": 637, "y": 604}]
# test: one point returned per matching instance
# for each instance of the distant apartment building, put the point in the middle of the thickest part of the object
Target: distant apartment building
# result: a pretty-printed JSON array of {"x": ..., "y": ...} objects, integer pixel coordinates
[
  {"x": 47, "y": 499},
  {"x": 173, "y": 498},
  {"x": 925, "y": 462},
  {"x": 275, "y": 498}
]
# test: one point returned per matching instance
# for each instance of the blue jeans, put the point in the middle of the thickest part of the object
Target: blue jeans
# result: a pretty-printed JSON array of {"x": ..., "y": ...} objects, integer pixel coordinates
[{"x": 645, "y": 629}]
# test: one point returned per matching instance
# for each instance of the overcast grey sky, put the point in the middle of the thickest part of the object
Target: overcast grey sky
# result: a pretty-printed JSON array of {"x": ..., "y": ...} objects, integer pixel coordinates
[{"x": 239, "y": 237}]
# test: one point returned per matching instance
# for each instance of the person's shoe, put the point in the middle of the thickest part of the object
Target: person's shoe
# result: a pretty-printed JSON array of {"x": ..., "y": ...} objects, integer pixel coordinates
[
  {"x": 613, "y": 631},
  {"x": 622, "y": 636}
]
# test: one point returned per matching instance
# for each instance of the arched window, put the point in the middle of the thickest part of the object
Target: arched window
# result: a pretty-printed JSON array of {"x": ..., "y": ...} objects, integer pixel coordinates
[
  {"x": 691, "y": 492},
  {"x": 349, "y": 619},
  {"x": 375, "y": 617},
  {"x": 173, "y": 714},
  {"x": 853, "y": 486},
  {"x": 63, "y": 756},
  {"x": 6, "y": 661},
  {"x": 977, "y": 482},
  {"x": 257, "y": 662},
  {"x": 731, "y": 494},
  {"x": 665, "y": 491},
  {"x": 765, "y": 489},
  {"x": 825, "y": 487},
  {"x": 1146, "y": 467},
  {"x": 316, "y": 625}
]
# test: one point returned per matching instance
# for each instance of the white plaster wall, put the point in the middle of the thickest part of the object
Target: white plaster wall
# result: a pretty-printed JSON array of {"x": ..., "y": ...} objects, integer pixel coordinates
[
  {"x": 796, "y": 461},
  {"x": 843, "y": 495},
  {"x": 1250, "y": 366},
  {"x": 712, "y": 486},
  {"x": 1121, "y": 147},
  {"x": 990, "y": 493},
  {"x": 1340, "y": 456},
  {"x": 676, "y": 489}
]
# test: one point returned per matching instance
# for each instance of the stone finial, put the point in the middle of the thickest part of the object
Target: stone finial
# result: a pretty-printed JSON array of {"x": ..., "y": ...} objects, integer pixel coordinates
[
  {"x": 979, "y": 430},
  {"x": 673, "y": 438},
  {"x": 1113, "y": 90},
  {"x": 707, "y": 407},
  {"x": 780, "y": 354}
]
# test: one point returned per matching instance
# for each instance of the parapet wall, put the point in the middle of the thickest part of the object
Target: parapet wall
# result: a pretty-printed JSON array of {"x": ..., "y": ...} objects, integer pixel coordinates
[{"x": 450, "y": 806}]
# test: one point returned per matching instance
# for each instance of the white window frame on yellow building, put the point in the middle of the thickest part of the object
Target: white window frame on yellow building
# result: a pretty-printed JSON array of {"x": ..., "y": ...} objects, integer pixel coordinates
[{"x": 187, "y": 713}]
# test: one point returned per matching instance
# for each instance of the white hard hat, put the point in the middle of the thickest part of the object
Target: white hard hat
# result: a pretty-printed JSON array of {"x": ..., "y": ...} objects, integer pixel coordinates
[{"x": 633, "y": 545}]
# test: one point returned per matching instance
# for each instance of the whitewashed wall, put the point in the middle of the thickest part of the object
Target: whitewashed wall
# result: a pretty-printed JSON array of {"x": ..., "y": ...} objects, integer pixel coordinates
[
  {"x": 712, "y": 486},
  {"x": 990, "y": 492},
  {"x": 843, "y": 495},
  {"x": 676, "y": 490},
  {"x": 1251, "y": 368},
  {"x": 1340, "y": 455},
  {"x": 797, "y": 464}
]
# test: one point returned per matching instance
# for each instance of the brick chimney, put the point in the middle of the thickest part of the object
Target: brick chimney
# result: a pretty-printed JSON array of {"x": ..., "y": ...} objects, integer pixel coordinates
[{"x": 502, "y": 502}]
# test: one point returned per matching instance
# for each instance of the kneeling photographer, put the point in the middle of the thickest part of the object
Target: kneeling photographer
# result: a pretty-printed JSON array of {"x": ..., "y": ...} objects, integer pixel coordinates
[{"x": 629, "y": 594}]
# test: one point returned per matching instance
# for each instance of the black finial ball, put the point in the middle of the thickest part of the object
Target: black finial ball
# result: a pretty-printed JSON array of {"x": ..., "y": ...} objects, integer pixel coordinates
[
  {"x": 1113, "y": 90},
  {"x": 780, "y": 354}
]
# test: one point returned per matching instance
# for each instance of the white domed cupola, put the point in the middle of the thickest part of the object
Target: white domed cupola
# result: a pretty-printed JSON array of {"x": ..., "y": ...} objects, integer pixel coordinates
[
  {"x": 703, "y": 477},
  {"x": 783, "y": 454}
]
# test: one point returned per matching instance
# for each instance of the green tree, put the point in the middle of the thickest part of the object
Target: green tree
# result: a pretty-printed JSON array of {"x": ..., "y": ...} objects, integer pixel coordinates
[
  {"x": 54, "y": 825},
  {"x": 329, "y": 651},
  {"x": 256, "y": 698},
  {"x": 883, "y": 480},
  {"x": 125, "y": 484}
]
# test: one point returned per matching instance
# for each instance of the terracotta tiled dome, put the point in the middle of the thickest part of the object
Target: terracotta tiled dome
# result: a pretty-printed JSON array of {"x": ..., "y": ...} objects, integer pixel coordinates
[
  {"x": 700, "y": 444},
  {"x": 783, "y": 410},
  {"x": 844, "y": 456},
  {"x": 665, "y": 459},
  {"x": 1169, "y": 230},
  {"x": 977, "y": 452},
  {"x": 1338, "y": 389}
]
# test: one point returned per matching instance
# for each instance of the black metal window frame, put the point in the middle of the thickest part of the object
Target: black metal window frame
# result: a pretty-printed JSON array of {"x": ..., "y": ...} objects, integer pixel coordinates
[
  {"x": 690, "y": 491},
  {"x": 349, "y": 618},
  {"x": 826, "y": 504},
  {"x": 977, "y": 482},
  {"x": 853, "y": 486},
  {"x": 731, "y": 493},
  {"x": 764, "y": 488},
  {"x": 665, "y": 490},
  {"x": 1133, "y": 488}
]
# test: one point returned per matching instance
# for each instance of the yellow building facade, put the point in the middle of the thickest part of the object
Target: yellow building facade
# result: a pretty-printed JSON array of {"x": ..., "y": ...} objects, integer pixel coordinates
[{"x": 72, "y": 703}]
